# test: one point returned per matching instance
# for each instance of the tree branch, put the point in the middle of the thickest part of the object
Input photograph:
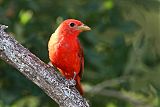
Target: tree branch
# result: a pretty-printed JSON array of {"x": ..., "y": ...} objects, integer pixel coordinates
[{"x": 43, "y": 75}]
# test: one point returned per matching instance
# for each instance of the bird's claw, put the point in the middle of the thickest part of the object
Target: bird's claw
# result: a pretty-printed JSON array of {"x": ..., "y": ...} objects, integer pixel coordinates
[{"x": 71, "y": 82}]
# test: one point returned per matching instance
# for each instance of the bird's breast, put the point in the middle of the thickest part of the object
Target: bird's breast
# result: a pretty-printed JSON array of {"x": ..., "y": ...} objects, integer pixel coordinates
[{"x": 65, "y": 55}]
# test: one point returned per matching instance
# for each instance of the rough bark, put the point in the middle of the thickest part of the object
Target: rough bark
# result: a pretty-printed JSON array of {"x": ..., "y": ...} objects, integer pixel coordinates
[{"x": 43, "y": 75}]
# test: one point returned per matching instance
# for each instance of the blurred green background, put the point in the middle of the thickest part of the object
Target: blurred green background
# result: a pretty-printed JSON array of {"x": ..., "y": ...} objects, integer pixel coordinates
[{"x": 122, "y": 52}]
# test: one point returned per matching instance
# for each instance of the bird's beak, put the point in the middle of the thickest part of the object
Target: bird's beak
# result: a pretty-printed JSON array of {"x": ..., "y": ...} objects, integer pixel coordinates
[{"x": 83, "y": 28}]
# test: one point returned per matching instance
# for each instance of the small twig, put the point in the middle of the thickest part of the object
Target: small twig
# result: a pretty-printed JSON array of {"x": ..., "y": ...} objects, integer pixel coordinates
[
  {"x": 108, "y": 83},
  {"x": 122, "y": 96}
]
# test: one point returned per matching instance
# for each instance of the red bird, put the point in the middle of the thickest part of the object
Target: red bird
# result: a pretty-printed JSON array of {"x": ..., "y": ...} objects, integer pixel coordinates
[{"x": 65, "y": 51}]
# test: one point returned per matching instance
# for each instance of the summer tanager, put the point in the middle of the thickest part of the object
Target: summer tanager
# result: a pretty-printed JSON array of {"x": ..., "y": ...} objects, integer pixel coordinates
[{"x": 65, "y": 51}]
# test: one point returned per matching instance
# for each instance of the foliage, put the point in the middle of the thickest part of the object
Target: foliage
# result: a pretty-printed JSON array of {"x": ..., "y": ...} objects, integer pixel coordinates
[{"x": 122, "y": 53}]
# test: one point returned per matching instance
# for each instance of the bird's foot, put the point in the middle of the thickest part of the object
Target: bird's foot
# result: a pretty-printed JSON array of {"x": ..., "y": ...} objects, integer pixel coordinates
[{"x": 71, "y": 82}]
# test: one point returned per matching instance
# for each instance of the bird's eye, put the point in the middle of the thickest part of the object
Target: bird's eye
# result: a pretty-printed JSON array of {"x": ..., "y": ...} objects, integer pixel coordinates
[{"x": 72, "y": 24}]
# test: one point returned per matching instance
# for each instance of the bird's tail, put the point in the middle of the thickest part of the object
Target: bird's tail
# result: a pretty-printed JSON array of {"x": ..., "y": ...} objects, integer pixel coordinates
[{"x": 78, "y": 85}]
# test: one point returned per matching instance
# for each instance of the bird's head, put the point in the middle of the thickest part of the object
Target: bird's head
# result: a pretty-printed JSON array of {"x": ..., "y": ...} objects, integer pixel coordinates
[{"x": 71, "y": 27}]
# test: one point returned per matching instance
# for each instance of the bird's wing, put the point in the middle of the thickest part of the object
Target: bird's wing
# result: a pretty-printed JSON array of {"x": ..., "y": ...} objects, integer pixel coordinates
[{"x": 81, "y": 61}]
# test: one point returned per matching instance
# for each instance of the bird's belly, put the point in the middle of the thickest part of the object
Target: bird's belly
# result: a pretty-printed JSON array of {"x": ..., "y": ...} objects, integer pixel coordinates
[{"x": 67, "y": 60}]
